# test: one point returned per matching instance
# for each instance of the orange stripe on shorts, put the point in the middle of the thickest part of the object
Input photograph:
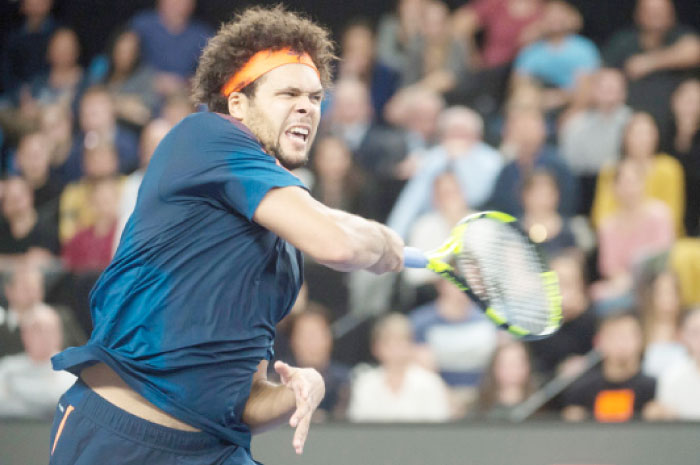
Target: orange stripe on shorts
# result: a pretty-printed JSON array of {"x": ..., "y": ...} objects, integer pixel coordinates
[{"x": 69, "y": 409}]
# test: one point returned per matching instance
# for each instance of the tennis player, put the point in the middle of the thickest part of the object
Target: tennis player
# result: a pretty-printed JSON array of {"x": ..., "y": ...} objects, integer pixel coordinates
[{"x": 210, "y": 260}]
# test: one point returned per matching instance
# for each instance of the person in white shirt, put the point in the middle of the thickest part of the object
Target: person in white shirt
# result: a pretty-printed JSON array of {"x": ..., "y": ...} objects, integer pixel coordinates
[
  {"x": 679, "y": 387},
  {"x": 398, "y": 389}
]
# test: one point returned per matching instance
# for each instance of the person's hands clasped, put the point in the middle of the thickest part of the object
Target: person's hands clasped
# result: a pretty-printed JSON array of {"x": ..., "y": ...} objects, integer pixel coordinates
[{"x": 309, "y": 389}]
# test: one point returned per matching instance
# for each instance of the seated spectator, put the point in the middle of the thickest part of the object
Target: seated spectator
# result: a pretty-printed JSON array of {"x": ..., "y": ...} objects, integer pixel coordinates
[
  {"x": 684, "y": 144},
  {"x": 591, "y": 138},
  {"x": 358, "y": 61},
  {"x": 461, "y": 149},
  {"x": 434, "y": 58},
  {"x": 90, "y": 249},
  {"x": 662, "y": 174},
  {"x": 396, "y": 30},
  {"x": 398, "y": 389},
  {"x": 524, "y": 136},
  {"x": 562, "y": 351},
  {"x": 508, "y": 381},
  {"x": 656, "y": 54},
  {"x": 29, "y": 387},
  {"x": 616, "y": 391},
  {"x": 561, "y": 60},
  {"x": 176, "y": 107},
  {"x": 130, "y": 81},
  {"x": 24, "y": 56},
  {"x": 455, "y": 338},
  {"x": 56, "y": 122},
  {"x": 660, "y": 302},
  {"x": 33, "y": 159},
  {"x": 312, "y": 345},
  {"x": 679, "y": 387},
  {"x": 416, "y": 110},
  {"x": 541, "y": 220},
  {"x": 98, "y": 125},
  {"x": 25, "y": 233},
  {"x": 171, "y": 42},
  {"x": 75, "y": 211},
  {"x": 640, "y": 229}
]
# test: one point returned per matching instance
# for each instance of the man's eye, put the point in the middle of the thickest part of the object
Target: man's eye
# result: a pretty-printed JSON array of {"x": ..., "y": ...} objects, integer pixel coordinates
[{"x": 316, "y": 98}]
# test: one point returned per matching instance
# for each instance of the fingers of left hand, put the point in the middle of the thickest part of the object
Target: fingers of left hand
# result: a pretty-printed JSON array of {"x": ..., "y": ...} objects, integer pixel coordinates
[{"x": 301, "y": 433}]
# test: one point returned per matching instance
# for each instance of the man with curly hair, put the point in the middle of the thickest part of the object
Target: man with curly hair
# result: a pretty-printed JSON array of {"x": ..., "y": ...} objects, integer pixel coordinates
[{"x": 210, "y": 260}]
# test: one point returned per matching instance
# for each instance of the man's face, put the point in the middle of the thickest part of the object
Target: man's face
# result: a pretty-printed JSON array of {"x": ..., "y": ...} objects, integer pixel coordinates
[{"x": 285, "y": 112}]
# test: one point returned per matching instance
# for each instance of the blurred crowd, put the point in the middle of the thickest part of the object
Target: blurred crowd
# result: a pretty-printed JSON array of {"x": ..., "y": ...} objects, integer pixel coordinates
[{"x": 435, "y": 112}]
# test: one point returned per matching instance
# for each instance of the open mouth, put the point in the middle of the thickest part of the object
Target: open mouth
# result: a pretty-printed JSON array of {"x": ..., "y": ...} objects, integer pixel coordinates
[{"x": 298, "y": 133}]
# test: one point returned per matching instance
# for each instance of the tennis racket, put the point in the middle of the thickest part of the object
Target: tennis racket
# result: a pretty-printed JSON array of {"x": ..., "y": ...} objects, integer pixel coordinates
[{"x": 489, "y": 258}]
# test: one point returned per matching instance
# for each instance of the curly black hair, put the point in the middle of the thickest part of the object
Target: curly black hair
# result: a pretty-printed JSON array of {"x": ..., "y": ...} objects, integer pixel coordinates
[{"x": 251, "y": 31}]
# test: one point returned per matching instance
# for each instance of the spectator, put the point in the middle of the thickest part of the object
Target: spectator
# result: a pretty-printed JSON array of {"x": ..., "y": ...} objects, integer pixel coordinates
[
  {"x": 29, "y": 387},
  {"x": 75, "y": 211},
  {"x": 33, "y": 159},
  {"x": 56, "y": 122},
  {"x": 397, "y": 390},
  {"x": 508, "y": 381},
  {"x": 461, "y": 149},
  {"x": 98, "y": 125},
  {"x": 24, "y": 55},
  {"x": 660, "y": 302},
  {"x": 395, "y": 32},
  {"x": 358, "y": 61},
  {"x": 416, "y": 110},
  {"x": 662, "y": 174},
  {"x": 312, "y": 344},
  {"x": 655, "y": 54},
  {"x": 639, "y": 229},
  {"x": 684, "y": 145},
  {"x": 434, "y": 58},
  {"x": 562, "y": 59},
  {"x": 130, "y": 81},
  {"x": 617, "y": 391},
  {"x": 679, "y": 386},
  {"x": 591, "y": 138},
  {"x": 90, "y": 249},
  {"x": 176, "y": 107},
  {"x": 524, "y": 135},
  {"x": 562, "y": 351},
  {"x": 25, "y": 233},
  {"x": 454, "y": 337},
  {"x": 541, "y": 220},
  {"x": 171, "y": 42}
]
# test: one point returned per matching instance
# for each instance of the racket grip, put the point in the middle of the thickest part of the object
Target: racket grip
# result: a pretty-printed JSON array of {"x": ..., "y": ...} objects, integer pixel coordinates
[{"x": 414, "y": 258}]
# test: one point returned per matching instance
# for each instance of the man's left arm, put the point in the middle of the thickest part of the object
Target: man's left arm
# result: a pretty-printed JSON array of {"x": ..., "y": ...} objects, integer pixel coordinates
[
  {"x": 270, "y": 404},
  {"x": 683, "y": 54}
]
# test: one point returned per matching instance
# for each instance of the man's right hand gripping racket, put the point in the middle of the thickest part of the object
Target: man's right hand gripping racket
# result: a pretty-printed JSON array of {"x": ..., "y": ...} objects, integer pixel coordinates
[{"x": 500, "y": 269}]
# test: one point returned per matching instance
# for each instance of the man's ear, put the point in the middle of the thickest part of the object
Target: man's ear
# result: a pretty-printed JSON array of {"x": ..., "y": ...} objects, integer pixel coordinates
[{"x": 238, "y": 105}]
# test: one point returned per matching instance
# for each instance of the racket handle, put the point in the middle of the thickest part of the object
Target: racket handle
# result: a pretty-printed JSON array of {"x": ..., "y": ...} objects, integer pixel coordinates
[{"x": 414, "y": 258}]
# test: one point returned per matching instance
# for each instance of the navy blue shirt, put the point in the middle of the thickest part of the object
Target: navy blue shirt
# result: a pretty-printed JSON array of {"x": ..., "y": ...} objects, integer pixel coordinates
[{"x": 187, "y": 308}]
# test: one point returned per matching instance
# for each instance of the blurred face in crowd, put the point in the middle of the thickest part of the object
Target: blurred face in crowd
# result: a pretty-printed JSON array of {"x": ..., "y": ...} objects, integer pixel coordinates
[
  {"x": 105, "y": 200},
  {"x": 541, "y": 194},
  {"x": 571, "y": 285},
  {"x": 176, "y": 108},
  {"x": 34, "y": 158},
  {"x": 629, "y": 185},
  {"x": 151, "y": 136},
  {"x": 284, "y": 112},
  {"x": 448, "y": 198},
  {"x": 176, "y": 10},
  {"x": 126, "y": 52},
  {"x": 351, "y": 103},
  {"x": 100, "y": 162},
  {"x": 42, "y": 334},
  {"x": 332, "y": 160},
  {"x": 666, "y": 296},
  {"x": 526, "y": 131},
  {"x": 558, "y": 19},
  {"x": 423, "y": 108},
  {"x": 691, "y": 334},
  {"x": 56, "y": 122},
  {"x": 97, "y": 112},
  {"x": 25, "y": 289},
  {"x": 18, "y": 199},
  {"x": 64, "y": 49},
  {"x": 655, "y": 15},
  {"x": 393, "y": 342},
  {"x": 311, "y": 341},
  {"x": 686, "y": 101},
  {"x": 641, "y": 137},
  {"x": 609, "y": 89},
  {"x": 358, "y": 50},
  {"x": 620, "y": 340},
  {"x": 435, "y": 21},
  {"x": 512, "y": 366},
  {"x": 36, "y": 8},
  {"x": 460, "y": 127}
]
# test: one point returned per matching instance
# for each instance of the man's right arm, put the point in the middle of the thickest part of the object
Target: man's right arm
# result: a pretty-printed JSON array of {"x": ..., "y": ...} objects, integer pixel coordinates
[{"x": 334, "y": 238}]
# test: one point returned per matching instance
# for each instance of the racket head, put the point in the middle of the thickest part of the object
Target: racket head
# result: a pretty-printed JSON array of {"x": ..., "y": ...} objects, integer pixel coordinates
[{"x": 490, "y": 259}]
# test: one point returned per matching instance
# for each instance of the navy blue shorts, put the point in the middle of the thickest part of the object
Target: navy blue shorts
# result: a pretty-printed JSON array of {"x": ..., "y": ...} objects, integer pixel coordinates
[{"x": 89, "y": 430}]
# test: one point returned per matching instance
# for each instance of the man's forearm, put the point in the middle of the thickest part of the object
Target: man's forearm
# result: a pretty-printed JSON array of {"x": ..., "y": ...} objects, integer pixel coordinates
[
  {"x": 269, "y": 405},
  {"x": 365, "y": 239},
  {"x": 683, "y": 54}
]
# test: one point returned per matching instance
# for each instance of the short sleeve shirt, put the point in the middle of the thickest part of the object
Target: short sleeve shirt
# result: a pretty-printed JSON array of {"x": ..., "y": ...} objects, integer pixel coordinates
[{"x": 187, "y": 308}]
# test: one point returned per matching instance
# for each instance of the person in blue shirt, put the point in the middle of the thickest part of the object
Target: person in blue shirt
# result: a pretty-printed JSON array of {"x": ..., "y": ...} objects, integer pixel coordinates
[{"x": 210, "y": 260}]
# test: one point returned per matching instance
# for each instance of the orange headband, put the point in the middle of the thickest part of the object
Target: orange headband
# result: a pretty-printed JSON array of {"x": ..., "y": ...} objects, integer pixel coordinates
[{"x": 261, "y": 63}]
